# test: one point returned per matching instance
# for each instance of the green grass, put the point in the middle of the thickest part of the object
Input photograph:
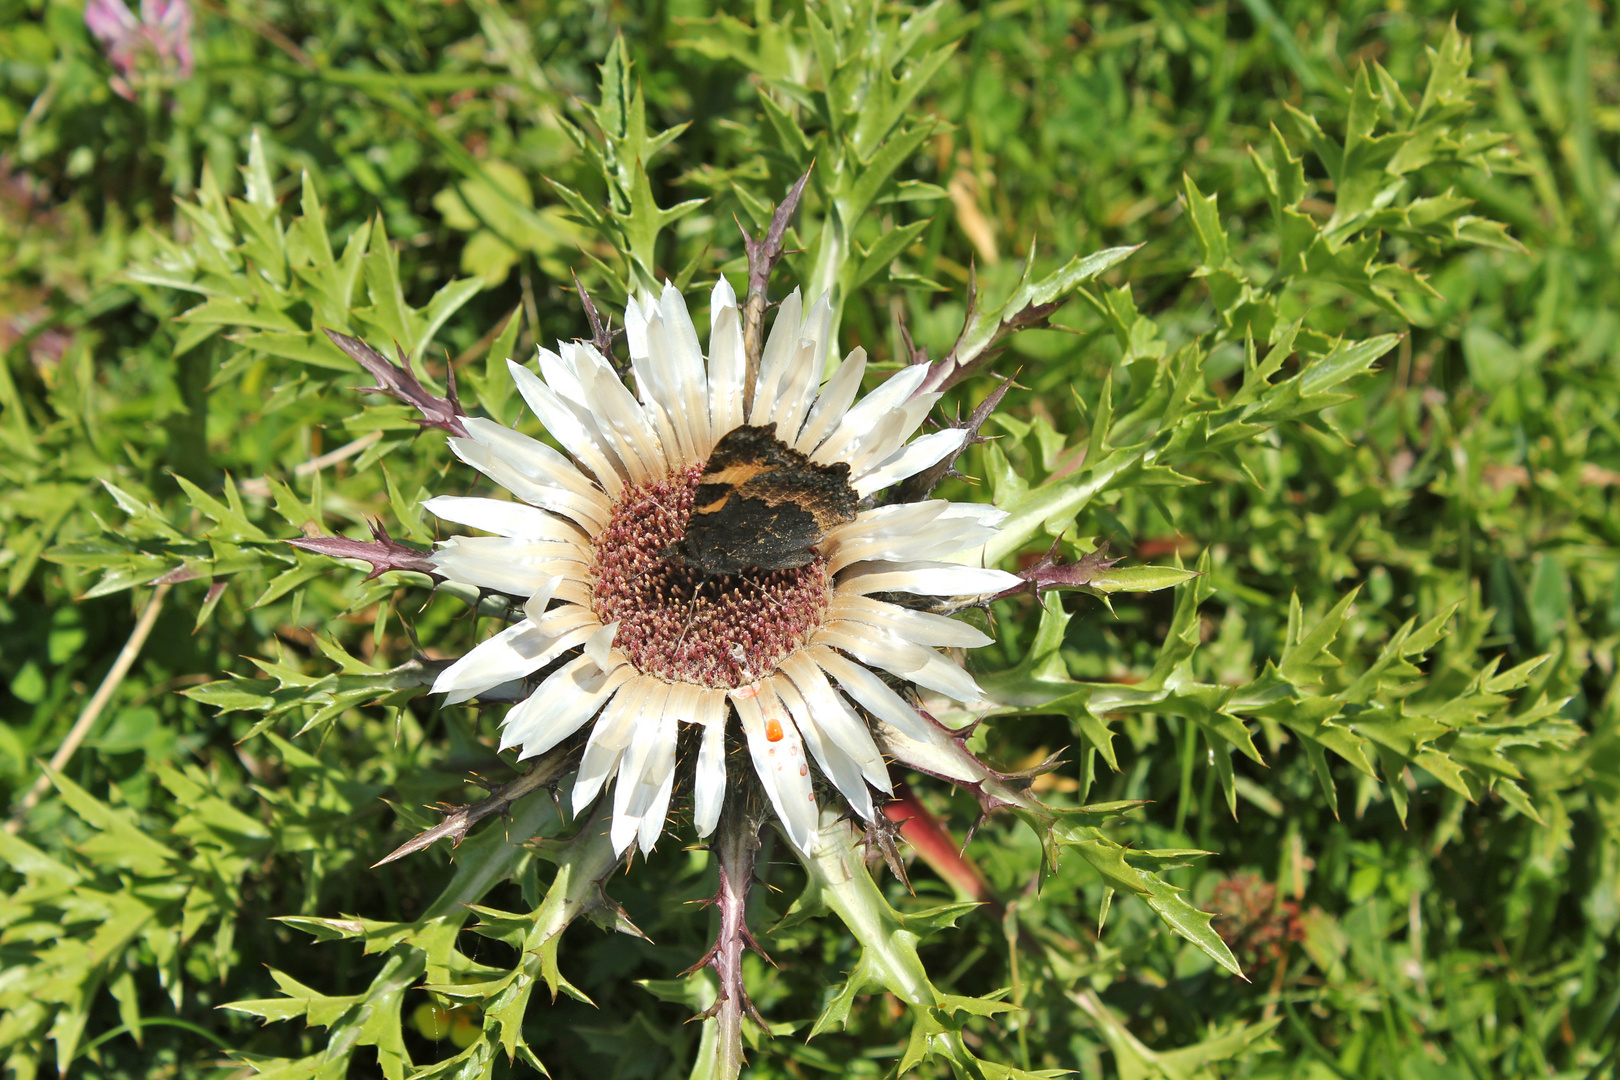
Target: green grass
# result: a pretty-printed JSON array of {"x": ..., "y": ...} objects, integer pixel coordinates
[{"x": 1456, "y": 916}]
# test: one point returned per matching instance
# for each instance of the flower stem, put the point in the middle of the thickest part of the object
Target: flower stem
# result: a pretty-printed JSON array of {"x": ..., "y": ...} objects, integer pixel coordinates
[{"x": 736, "y": 846}]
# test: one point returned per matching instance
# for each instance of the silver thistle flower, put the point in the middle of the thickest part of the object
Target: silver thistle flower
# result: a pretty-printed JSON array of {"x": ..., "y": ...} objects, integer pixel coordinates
[{"x": 639, "y": 643}]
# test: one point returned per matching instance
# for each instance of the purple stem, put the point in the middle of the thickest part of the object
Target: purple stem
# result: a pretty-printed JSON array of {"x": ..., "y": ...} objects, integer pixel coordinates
[
  {"x": 763, "y": 255},
  {"x": 736, "y": 846},
  {"x": 383, "y": 552}
]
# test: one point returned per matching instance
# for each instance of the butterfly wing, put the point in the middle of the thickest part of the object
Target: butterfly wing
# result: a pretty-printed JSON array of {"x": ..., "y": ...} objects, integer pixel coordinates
[{"x": 762, "y": 505}]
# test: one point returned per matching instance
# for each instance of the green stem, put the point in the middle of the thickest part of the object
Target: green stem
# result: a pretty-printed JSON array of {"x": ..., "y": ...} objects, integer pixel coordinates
[{"x": 846, "y": 887}]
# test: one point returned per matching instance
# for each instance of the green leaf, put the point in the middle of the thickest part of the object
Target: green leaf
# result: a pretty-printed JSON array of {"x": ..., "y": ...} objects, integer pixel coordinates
[
  {"x": 1138, "y": 579},
  {"x": 1109, "y": 859},
  {"x": 1493, "y": 362},
  {"x": 1206, "y": 226}
]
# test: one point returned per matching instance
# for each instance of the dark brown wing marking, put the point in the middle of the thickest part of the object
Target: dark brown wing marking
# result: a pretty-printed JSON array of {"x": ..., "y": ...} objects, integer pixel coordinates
[{"x": 762, "y": 505}]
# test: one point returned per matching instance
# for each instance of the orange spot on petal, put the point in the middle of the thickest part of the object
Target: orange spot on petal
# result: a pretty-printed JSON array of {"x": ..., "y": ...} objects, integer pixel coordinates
[{"x": 773, "y": 730}]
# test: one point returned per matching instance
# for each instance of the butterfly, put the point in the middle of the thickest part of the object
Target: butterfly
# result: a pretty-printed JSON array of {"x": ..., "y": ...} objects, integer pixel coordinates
[{"x": 762, "y": 505}]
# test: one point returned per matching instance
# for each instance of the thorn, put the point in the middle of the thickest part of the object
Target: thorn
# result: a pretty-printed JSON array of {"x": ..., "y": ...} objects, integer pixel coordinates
[
  {"x": 763, "y": 255},
  {"x": 602, "y": 333},
  {"x": 399, "y": 381},
  {"x": 1049, "y": 574},
  {"x": 973, "y": 829},
  {"x": 459, "y": 820},
  {"x": 919, "y": 487},
  {"x": 383, "y": 552}
]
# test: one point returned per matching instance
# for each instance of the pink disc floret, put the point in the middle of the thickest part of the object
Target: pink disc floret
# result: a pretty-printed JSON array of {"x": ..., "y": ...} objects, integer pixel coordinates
[{"x": 678, "y": 624}]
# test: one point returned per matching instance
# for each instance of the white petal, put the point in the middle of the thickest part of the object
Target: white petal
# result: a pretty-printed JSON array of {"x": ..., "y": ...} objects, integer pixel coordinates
[
  {"x": 686, "y": 361},
  {"x": 533, "y": 458},
  {"x": 601, "y": 644},
  {"x": 635, "y": 327},
  {"x": 978, "y": 524},
  {"x": 509, "y": 651},
  {"x": 797, "y": 387},
  {"x": 510, "y": 579},
  {"x": 584, "y": 356},
  {"x": 817, "y": 333},
  {"x": 902, "y": 532},
  {"x": 883, "y": 522},
  {"x": 685, "y": 701},
  {"x": 890, "y": 436},
  {"x": 677, "y": 403},
  {"x": 648, "y": 762},
  {"x": 910, "y": 460},
  {"x": 519, "y": 650},
  {"x": 535, "y": 606},
  {"x": 576, "y": 591},
  {"x": 780, "y": 350},
  {"x": 933, "y": 750},
  {"x": 709, "y": 784},
  {"x": 684, "y": 705},
  {"x": 925, "y": 579},
  {"x": 780, "y": 761},
  {"x": 657, "y": 813},
  {"x": 565, "y": 618},
  {"x": 561, "y": 375},
  {"x": 864, "y": 450},
  {"x": 726, "y": 362},
  {"x": 567, "y": 628},
  {"x": 622, "y": 419},
  {"x": 872, "y": 692},
  {"x": 510, "y": 566},
  {"x": 560, "y": 706},
  {"x": 612, "y": 734},
  {"x": 906, "y": 532},
  {"x": 578, "y": 433},
  {"x": 517, "y": 520},
  {"x": 864, "y": 418},
  {"x": 514, "y": 550},
  {"x": 580, "y": 361},
  {"x": 590, "y": 513},
  {"x": 834, "y": 401},
  {"x": 919, "y": 627},
  {"x": 658, "y": 394},
  {"x": 836, "y": 720},
  {"x": 920, "y": 665},
  {"x": 836, "y": 765},
  {"x": 978, "y": 513}
]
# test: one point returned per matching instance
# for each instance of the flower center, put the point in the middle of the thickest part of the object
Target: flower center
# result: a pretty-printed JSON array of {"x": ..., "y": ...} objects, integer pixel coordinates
[{"x": 681, "y": 625}]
